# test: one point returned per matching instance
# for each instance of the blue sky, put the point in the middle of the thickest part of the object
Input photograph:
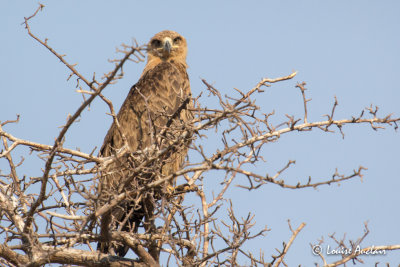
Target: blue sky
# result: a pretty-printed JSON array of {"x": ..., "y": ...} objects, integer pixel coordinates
[{"x": 347, "y": 49}]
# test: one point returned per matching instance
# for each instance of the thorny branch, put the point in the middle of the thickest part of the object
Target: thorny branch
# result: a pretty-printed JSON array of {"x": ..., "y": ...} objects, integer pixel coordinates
[
  {"x": 353, "y": 250},
  {"x": 59, "y": 223},
  {"x": 279, "y": 259},
  {"x": 109, "y": 78}
]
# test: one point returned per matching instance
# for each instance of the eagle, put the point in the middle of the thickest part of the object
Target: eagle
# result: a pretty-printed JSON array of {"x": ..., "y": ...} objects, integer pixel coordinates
[{"x": 155, "y": 112}]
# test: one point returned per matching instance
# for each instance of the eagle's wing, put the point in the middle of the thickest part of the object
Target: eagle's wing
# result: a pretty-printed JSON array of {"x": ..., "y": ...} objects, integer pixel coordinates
[{"x": 151, "y": 102}]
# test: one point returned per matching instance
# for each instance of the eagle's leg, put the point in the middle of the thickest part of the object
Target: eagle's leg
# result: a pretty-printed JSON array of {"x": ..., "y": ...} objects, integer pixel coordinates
[{"x": 103, "y": 246}]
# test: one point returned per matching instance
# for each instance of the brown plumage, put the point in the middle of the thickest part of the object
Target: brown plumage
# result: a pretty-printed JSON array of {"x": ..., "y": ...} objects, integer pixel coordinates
[{"x": 157, "y": 103}]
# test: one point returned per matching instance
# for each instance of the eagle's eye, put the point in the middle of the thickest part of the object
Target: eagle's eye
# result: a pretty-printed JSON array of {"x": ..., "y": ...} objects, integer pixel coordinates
[
  {"x": 177, "y": 40},
  {"x": 156, "y": 43}
]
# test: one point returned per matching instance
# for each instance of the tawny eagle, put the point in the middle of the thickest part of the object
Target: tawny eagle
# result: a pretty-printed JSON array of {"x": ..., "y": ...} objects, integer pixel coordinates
[{"x": 151, "y": 118}]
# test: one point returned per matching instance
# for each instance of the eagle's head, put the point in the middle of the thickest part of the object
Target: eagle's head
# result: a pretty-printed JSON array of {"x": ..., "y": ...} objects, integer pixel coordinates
[{"x": 167, "y": 46}]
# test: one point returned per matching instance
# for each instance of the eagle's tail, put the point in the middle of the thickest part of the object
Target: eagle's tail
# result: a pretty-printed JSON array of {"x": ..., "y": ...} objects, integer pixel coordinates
[{"x": 127, "y": 219}]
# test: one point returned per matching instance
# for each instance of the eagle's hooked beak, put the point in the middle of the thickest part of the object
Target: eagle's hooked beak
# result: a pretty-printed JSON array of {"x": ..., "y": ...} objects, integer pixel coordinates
[{"x": 167, "y": 45}]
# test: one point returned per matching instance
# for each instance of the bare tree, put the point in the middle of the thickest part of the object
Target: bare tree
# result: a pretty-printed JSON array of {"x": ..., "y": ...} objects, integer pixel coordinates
[{"x": 60, "y": 223}]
